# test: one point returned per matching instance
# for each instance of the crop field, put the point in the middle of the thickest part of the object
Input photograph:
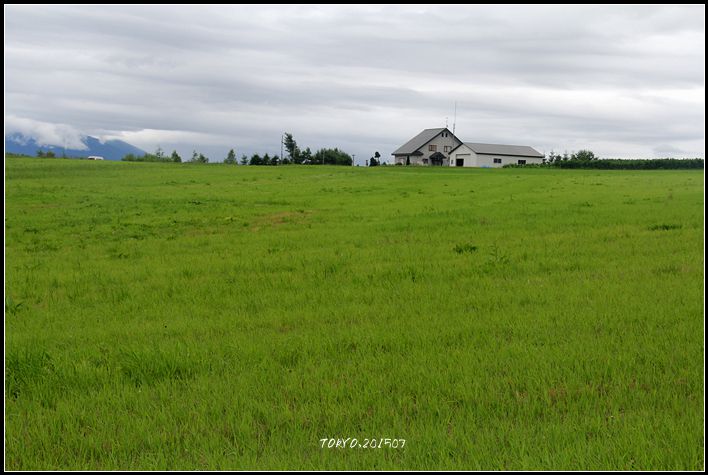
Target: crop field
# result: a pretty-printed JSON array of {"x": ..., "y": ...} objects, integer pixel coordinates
[{"x": 178, "y": 316}]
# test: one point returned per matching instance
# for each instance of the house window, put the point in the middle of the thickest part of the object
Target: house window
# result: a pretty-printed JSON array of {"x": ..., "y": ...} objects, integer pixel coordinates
[
  {"x": 425, "y": 161},
  {"x": 447, "y": 148},
  {"x": 432, "y": 148},
  {"x": 497, "y": 160},
  {"x": 522, "y": 162}
]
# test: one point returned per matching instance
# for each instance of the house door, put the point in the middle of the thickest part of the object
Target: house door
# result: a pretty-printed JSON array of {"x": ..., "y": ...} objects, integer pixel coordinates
[{"x": 460, "y": 162}]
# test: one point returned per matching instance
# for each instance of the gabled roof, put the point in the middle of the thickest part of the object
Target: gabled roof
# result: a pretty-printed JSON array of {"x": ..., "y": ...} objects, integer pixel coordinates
[
  {"x": 419, "y": 140},
  {"x": 498, "y": 149}
]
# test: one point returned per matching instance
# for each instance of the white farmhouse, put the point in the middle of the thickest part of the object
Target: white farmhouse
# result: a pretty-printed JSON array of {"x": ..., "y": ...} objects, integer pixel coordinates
[
  {"x": 430, "y": 147},
  {"x": 489, "y": 155},
  {"x": 95, "y": 157},
  {"x": 440, "y": 147}
]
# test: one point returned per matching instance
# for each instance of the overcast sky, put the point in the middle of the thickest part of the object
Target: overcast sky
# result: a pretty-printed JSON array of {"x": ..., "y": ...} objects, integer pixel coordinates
[{"x": 623, "y": 81}]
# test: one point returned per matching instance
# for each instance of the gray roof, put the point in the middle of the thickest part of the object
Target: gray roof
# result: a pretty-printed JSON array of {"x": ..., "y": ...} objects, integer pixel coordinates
[
  {"x": 418, "y": 141},
  {"x": 497, "y": 149}
]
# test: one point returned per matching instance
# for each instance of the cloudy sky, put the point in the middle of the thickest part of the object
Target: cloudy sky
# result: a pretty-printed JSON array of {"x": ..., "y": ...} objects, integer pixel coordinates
[{"x": 623, "y": 81}]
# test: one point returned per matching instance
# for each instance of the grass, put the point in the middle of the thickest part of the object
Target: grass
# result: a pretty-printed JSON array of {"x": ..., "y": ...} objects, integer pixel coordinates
[{"x": 164, "y": 316}]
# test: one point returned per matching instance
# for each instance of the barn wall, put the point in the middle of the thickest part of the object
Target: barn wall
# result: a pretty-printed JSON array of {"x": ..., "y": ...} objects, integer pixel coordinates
[
  {"x": 466, "y": 153},
  {"x": 488, "y": 160}
]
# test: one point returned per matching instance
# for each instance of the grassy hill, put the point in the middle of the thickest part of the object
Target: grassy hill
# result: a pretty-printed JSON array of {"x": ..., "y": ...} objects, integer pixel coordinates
[{"x": 167, "y": 316}]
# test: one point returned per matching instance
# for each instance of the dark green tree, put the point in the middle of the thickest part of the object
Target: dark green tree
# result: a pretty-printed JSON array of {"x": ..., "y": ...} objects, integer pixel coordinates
[
  {"x": 175, "y": 157},
  {"x": 244, "y": 159},
  {"x": 305, "y": 156},
  {"x": 292, "y": 148},
  {"x": 374, "y": 161},
  {"x": 332, "y": 156},
  {"x": 584, "y": 155},
  {"x": 231, "y": 157}
]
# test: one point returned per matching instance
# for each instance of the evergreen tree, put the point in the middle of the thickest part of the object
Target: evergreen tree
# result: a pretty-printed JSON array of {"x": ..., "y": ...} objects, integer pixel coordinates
[
  {"x": 231, "y": 158},
  {"x": 292, "y": 148}
]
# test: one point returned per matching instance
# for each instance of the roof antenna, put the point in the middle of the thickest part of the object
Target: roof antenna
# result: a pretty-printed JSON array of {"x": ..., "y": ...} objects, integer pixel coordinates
[
  {"x": 446, "y": 122},
  {"x": 454, "y": 120}
]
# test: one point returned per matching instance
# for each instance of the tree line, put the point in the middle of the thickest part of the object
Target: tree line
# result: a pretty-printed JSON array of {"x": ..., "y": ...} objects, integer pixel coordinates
[
  {"x": 586, "y": 159},
  {"x": 324, "y": 156},
  {"x": 158, "y": 156}
]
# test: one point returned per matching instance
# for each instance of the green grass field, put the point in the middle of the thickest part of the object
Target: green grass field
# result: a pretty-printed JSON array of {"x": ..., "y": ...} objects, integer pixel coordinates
[{"x": 164, "y": 316}]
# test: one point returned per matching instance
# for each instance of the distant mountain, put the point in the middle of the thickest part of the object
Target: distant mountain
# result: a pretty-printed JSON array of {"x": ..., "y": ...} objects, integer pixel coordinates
[{"x": 110, "y": 149}]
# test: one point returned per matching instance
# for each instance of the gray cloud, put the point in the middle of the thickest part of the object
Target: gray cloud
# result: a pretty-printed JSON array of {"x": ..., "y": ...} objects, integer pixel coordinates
[
  {"x": 620, "y": 80},
  {"x": 45, "y": 133}
]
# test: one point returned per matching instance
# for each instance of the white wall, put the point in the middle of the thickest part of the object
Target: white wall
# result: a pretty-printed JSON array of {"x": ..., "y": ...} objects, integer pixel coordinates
[
  {"x": 465, "y": 153},
  {"x": 473, "y": 159},
  {"x": 440, "y": 142}
]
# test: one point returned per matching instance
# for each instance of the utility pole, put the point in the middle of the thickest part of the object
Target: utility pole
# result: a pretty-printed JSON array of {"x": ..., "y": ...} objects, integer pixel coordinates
[
  {"x": 454, "y": 120},
  {"x": 281, "y": 146}
]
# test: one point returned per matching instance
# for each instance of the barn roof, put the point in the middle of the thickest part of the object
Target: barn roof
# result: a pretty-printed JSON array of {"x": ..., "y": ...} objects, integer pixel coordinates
[
  {"x": 418, "y": 141},
  {"x": 499, "y": 149}
]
